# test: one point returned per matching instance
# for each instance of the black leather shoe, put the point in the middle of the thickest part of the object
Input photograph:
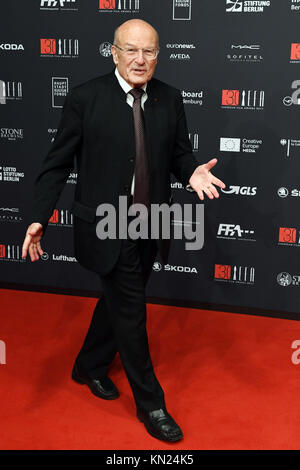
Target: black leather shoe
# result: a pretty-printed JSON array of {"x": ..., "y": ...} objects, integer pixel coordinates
[
  {"x": 102, "y": 388},
  {"x": 160, "y": 425}
]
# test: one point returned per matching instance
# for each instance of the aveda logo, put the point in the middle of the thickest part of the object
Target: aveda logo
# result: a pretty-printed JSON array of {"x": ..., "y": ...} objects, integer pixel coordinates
[{"x": 12, "y": 47}]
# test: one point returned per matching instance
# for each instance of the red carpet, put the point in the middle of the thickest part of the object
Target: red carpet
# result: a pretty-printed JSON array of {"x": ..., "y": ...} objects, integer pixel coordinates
[{"x": 228, "y": 379}]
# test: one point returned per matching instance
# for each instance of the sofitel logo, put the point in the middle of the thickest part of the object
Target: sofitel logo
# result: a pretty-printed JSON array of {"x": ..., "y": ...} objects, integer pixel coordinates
[
  {"x": 10, "y": 214},
  {"x": 244, "y": 99},
  {"x": 119, "y": 6},
  {"x": 245, "y": 53},
  {"x": 234, "y": 274},
  {"x": 182, "y": 9},
  {"x": 64, "y": 48},
  {"x": 60, "y": 88}
]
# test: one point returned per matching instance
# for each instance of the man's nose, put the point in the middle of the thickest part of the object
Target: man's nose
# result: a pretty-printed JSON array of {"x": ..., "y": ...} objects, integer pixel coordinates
[{"x": 140, "y": 57}]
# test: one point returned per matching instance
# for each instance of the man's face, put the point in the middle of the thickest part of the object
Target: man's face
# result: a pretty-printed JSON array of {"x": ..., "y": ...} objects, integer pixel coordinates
[{"x": 137, "y": 70}]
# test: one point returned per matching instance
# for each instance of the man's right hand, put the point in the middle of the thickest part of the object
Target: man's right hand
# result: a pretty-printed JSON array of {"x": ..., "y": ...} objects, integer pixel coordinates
[{"x": 32, "y": 241}]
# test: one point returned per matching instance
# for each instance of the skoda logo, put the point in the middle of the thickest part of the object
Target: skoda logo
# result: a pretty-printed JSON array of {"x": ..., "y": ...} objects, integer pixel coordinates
[
  {"x": 283, "y": 192},
  {"x": 157, "y": 266}
]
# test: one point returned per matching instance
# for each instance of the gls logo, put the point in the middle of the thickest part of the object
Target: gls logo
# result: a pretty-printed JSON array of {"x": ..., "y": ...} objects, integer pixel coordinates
[
  {"x": 12, "y": 47},
  {"x": 241, "y": 190}
]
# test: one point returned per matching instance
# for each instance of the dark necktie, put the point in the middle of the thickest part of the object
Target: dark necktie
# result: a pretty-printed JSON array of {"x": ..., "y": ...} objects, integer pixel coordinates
[{"x": 141, "y": 176}]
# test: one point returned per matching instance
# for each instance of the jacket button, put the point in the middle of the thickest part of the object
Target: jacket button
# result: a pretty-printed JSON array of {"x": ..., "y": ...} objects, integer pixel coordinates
[
  {"x": 126, "y": 187},
  {"x": 131, "y": 159}
]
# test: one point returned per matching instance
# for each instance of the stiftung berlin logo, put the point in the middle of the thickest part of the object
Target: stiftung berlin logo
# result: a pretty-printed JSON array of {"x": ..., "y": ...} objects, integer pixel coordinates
[
  {"x": 11, "y": 174},
  {"x": 247, "y": 6}
]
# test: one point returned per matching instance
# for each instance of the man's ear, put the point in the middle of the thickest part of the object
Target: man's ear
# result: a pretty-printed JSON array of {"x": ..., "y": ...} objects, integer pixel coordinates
[{"x": 114, "y": 54}]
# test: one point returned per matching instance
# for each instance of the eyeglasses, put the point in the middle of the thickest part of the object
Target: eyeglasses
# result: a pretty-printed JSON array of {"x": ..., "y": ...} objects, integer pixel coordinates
[{"x": 133, "y": 52}]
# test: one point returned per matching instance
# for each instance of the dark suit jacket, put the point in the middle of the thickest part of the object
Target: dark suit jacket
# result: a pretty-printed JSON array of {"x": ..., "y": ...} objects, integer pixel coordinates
[{"x": 97, "y": 126}]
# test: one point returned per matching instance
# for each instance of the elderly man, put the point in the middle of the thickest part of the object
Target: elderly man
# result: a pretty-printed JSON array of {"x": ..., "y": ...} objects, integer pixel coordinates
[{"x": 128, "y": 132}]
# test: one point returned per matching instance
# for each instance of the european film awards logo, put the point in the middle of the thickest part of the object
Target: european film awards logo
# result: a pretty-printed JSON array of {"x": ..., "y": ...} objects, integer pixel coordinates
[
  {"x": 295, "y": 53},
  {"x": 182, "y": 10},
  {"x": 62, "y": 48},
  {"x": 243, "y": 99},
  {"x": 10, "y": 91},
  {"x": 234, "y": 274},
  {"x": 288, "y": 236},
  {"x": 119, "y": 6}
]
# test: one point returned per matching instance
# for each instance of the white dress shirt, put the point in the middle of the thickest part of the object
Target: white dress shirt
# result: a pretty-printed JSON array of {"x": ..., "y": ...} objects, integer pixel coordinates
[{"x": 126, "y": 87}]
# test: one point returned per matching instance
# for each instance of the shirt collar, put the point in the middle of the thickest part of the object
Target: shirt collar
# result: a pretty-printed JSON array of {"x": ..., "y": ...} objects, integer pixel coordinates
[{"x": 124, "y": 85}]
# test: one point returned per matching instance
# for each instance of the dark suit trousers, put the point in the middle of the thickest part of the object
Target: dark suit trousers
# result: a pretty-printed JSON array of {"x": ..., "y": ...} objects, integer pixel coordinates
[{"x": 119, "y": 325}]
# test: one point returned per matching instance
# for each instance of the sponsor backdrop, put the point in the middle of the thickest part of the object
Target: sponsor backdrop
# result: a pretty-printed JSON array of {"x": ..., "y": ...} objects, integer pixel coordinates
[{"x": 237, "y": 64}]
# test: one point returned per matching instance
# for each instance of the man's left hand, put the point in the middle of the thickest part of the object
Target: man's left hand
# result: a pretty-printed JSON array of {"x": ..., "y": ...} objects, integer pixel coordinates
[{"x": 203, "y": 181}]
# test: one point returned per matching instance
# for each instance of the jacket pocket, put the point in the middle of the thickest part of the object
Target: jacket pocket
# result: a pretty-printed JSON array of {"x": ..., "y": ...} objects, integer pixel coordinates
[{"x": 84, "y": 212}]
